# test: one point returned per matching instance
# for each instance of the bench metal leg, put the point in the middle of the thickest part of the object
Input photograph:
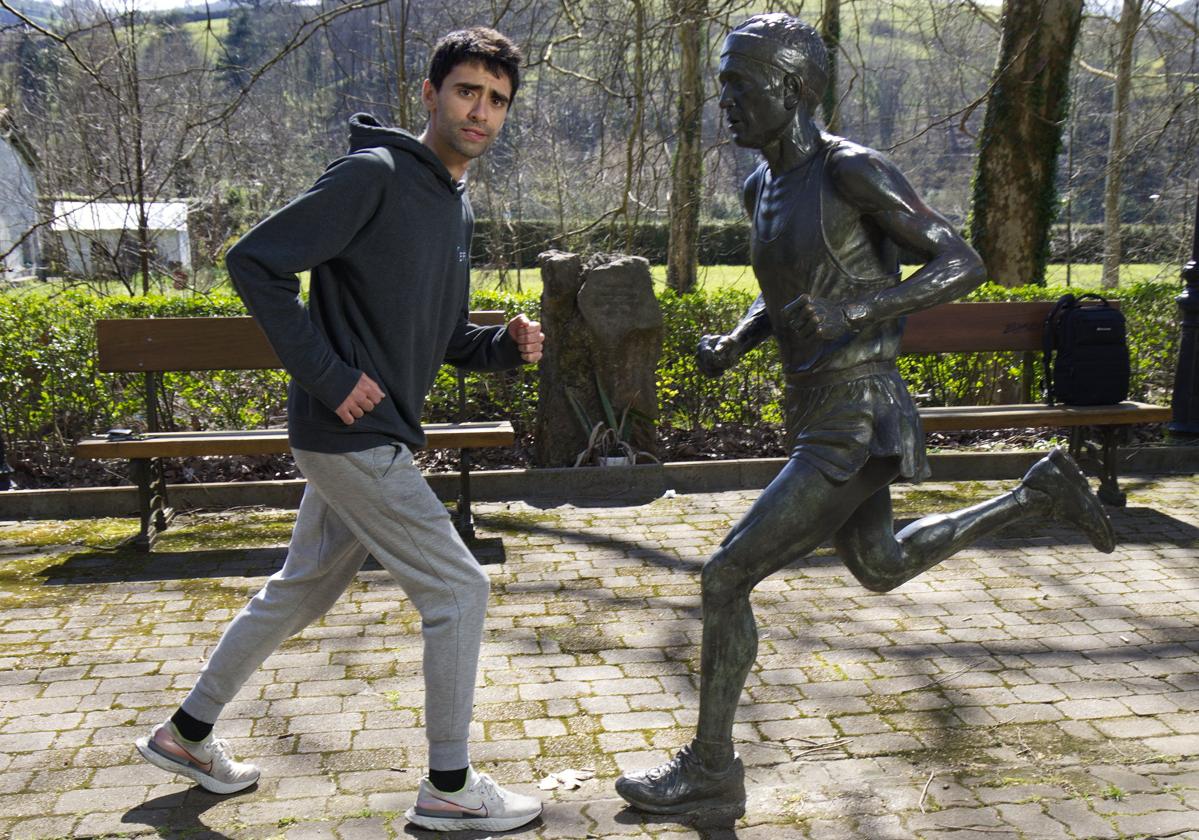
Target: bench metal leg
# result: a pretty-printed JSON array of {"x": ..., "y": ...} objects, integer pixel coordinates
[
  {"x": 1106, "y": 456},
  {"x": 488, "y": 551},
  {"x": 1109, "y": 485},
  {"x": 139, "y": 471},
  {"x": 163, "y": 512},
  {"x": 5, "y": 470},
  {"x": 463, "y": 520},
  {"x": 153, "y": 510}
]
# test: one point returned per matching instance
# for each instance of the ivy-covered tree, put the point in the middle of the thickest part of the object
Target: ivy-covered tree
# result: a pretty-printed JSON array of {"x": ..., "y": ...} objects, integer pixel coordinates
[{"x": 1015, "y": 197}]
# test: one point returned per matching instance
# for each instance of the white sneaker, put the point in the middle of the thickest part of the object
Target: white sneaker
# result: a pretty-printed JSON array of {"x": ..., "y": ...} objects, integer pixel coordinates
[
  {"x": 208, "y": 763},
  {"x": 481, "y": 804}
]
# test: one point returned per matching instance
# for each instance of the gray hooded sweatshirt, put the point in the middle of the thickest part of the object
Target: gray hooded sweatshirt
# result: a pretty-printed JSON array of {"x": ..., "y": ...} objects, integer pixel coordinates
[{"x": 386, "y": 233}]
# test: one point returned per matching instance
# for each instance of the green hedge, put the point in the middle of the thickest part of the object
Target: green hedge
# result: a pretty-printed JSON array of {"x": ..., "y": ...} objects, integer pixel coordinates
[{"x": 51, "y": 392}]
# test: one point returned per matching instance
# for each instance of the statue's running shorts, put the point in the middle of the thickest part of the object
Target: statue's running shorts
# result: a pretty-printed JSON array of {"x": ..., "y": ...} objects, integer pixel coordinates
[{"x": 838, "y": 420}]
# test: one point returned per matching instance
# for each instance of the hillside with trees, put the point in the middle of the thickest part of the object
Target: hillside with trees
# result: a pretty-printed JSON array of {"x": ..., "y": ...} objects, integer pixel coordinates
[{"x": 238, "y": 106}]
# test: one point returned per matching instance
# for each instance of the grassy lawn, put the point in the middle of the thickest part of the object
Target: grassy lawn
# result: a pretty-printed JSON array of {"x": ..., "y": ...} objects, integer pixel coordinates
[
  {"x": 1086, "y": 276},
  {"x": 710, "y": 277},
  {"x": 1082, "y": 276}
]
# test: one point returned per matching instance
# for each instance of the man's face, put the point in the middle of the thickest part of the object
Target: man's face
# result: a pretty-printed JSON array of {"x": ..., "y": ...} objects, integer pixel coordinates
[
  {"x": 754, "y": 110},
  {"x": 466, "y": 114}
]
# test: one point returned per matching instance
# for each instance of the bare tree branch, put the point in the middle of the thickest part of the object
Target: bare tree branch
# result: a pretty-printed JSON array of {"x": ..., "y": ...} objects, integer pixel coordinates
[
  {"x": 62, "y": 41},
  {"x": 297, "y": 40}
]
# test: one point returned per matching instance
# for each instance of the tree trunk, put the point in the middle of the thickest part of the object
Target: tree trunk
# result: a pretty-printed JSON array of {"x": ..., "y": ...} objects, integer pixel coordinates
[
  {"x": 139, "y": 160},
  {"x": 399, "y": 44},
  {"x": 1015, "y": 198},
  {"x": 635, "y": 139},
  {"x": 1130, "y": 20},
  {"x": 687, "y": 175},
  {"x": 830, "y": 32}
]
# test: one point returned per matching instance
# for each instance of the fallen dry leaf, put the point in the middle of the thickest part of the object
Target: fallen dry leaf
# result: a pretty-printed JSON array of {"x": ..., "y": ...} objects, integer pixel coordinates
[{"x": 568, "y": 779}]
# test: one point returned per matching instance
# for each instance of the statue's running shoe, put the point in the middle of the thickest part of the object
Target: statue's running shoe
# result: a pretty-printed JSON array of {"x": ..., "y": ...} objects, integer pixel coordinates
[
  {"x": 684, "y": 784},
  {"x": 1064, "y": 494}
]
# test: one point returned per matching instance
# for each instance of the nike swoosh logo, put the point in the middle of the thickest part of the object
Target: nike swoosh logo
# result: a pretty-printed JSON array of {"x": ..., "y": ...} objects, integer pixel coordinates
[
  {"x": 480, "y": 808},
  {"x": 206, "y": 767},
  {"x": 171, "y": 748}
]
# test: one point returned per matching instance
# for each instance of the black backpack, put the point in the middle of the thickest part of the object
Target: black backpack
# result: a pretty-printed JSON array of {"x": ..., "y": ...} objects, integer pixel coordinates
[{"x": 1086, "y": 352}]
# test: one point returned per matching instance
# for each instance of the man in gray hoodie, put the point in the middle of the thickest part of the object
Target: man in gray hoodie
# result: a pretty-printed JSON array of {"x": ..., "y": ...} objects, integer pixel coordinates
[{"x": 385, "y": 232}]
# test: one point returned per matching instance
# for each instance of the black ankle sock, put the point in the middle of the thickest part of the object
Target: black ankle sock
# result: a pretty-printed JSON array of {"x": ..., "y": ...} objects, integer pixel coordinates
[
  {"x": 448, "y": 781},
  {"x": 190, "y": 728}
]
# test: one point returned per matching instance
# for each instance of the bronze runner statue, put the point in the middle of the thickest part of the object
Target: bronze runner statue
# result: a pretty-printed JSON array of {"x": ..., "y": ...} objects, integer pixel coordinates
[{"x": 828, "y": 218}]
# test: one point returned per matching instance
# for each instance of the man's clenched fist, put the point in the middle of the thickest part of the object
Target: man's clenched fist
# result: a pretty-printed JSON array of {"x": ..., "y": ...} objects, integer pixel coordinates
[
  {"x": 365, "y": 396},
  {"x": 528, "y": 337}
]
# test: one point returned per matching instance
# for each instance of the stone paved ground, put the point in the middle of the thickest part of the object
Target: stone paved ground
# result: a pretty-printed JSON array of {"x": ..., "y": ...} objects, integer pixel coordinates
[{"x": 1028, "y": 688}]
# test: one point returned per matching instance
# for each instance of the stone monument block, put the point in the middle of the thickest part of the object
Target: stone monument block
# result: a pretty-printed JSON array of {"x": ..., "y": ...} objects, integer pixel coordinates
[{"x": 603, "y": 325}]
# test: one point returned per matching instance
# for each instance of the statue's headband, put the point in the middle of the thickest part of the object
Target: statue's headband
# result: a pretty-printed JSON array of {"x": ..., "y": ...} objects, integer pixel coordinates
[{"x": 764, "y": 51}]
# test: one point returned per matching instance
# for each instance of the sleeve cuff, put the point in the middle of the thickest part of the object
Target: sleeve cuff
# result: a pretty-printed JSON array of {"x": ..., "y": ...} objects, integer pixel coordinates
[
  {"x": 507, "y": 354},
  {"x": 334, "y": 385}
]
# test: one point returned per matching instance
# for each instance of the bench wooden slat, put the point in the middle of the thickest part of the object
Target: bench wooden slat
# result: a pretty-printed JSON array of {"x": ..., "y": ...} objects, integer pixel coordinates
[
  {"x": 960, "y": 418},
  {"x": 170, "y": 344},
  {"x": 232, "y": 343},
  {"x": 160, "y": 344},
  {"x": 977, "y": 327},
  {"x": 274, "y": 441}
]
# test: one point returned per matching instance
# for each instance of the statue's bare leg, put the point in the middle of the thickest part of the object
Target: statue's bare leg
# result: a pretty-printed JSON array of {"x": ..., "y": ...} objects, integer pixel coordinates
[
  {"x": 1054, "y": 487},
  {"x": 881, "y": 559},
  {"x": 798, "y": 511}
]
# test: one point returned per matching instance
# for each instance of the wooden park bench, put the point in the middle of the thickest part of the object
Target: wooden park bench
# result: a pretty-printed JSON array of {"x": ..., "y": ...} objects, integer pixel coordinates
[
  {"x": 1095, "y": 431},
  {"x": 156, "y": 345}
]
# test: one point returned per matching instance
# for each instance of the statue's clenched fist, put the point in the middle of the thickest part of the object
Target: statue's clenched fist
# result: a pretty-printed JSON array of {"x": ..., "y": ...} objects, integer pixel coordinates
[
  {"x": 812, "y": 317},
  {"x": 716, "y": 354}
]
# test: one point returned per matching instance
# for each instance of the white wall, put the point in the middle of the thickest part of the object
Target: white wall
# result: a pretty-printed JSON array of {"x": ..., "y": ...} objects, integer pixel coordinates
[
  {"x": 169, "y": 245},
  {"x": 18, "y": 212}
]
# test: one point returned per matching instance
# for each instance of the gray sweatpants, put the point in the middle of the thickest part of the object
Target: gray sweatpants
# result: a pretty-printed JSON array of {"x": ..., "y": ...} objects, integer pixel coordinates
[{"x": 373, "y": 502}]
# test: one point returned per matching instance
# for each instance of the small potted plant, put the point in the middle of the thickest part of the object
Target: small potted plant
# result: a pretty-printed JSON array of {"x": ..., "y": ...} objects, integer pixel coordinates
[{"x": 609, "y": 441}]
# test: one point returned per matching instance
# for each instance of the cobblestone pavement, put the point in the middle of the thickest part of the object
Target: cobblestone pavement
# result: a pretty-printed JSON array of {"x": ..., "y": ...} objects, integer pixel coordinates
[{"x": 1027, "y": 688}]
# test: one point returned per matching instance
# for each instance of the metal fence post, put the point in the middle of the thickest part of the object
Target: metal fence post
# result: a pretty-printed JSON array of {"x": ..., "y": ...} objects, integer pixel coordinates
[{"x": 5, "y": 470}]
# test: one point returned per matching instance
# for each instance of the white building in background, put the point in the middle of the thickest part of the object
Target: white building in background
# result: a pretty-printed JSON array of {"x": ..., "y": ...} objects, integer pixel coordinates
[
  {"x": 18, "y": 203},
  {"x": 99, "y": 236}
]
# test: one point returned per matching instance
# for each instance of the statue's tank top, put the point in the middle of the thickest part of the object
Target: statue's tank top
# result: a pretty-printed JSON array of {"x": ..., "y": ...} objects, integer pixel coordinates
[{"x": 818, "y": 244}]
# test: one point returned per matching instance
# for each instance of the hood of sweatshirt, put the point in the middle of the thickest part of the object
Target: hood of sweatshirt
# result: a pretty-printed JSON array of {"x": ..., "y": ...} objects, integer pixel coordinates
[{"x": 366, "y": 132}]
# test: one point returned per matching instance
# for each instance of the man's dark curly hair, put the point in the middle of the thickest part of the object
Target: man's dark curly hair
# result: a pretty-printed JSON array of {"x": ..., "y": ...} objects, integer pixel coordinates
[{"x": 478, "y": 44}]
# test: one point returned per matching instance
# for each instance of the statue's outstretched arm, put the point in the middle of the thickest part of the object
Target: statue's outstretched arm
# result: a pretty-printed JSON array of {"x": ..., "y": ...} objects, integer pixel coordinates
[{"x": 718, "y": 353}]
